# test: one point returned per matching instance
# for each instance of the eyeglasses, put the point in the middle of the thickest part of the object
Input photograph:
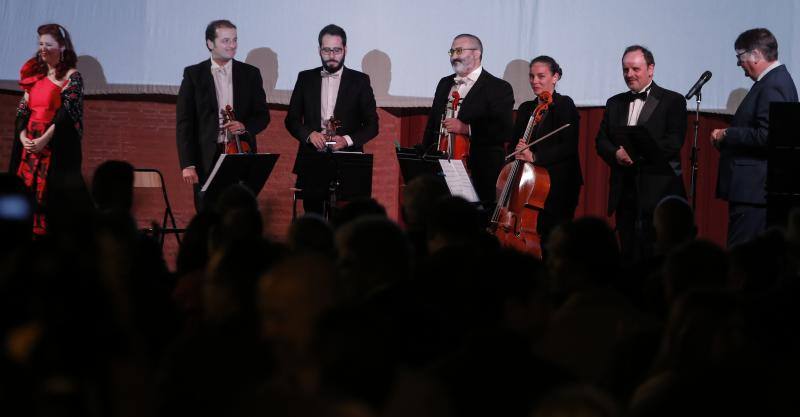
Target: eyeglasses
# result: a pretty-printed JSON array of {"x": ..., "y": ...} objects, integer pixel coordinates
[
  {"x": 458, "y": 51},
  {"x": 331, "y": 51},
  {"x": 739, "y": 55}
]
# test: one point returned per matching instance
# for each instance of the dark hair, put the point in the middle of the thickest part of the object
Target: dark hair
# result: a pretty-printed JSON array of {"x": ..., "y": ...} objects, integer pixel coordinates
[
  {"x": 68, "y": 60},
  {"x": 648, "y": 56},
  {"x": 211, "y": 29},
  {"x": 554, "y": 67},
  {"x": 761, "y": 39},
  {"x": 332, "y": 30},
  {"x": 112, "y": 186},
  {"x": 474, "y": 38}
]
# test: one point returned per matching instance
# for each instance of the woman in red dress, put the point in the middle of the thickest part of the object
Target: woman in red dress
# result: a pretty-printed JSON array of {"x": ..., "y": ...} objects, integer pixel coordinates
[{"x": 49, "y": 117}]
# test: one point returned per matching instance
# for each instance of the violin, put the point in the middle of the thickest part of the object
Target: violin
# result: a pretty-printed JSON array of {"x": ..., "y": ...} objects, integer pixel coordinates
[
  {"x": 330, "y": 131},
  {"x": 233, "y": 145},
  {"x": 522, "y": 190},
  {"x": 453, "y": 145}
]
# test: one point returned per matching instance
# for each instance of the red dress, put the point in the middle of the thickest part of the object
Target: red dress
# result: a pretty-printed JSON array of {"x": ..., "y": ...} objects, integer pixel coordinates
[{"x": 44, "y": 99}]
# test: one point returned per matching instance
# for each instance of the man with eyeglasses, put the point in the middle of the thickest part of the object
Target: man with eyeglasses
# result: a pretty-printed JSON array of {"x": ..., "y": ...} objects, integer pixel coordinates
[
  {"x": 207, "y": 88},
  {"x": 484, "y": 116},
  {"x": 331, "y": 90},
  {"x": 742, "y": 173}
]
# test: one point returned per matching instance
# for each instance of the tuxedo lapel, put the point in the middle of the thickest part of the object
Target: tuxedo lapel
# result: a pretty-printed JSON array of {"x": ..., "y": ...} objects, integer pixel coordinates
[
  {"x": 474, "y": 92},
  {"x": 315, "y": 100},
  {"x": 345, "y": 83},
  {"x": 211, "y": 87},
  {"x": 624, "y": 107},
  {"x": 239, "y": 90},
  {"x": 649, "y": 105}
]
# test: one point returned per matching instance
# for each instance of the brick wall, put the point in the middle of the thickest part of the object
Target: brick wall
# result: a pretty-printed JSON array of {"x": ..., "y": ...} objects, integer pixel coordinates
[{"x": 141, "y": 130}]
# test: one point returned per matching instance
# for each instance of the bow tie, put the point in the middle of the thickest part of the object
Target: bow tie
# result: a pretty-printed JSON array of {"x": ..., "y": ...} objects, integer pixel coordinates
[
  {"x": 326, "y": 74},
  {"x": 219, "y": 70},
  {"x": 461, "y": 80},
  {"x": 641, "y": 96}
]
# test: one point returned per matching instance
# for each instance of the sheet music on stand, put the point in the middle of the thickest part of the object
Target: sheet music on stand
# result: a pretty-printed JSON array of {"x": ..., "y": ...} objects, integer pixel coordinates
[{"x": 457, "y": 179}]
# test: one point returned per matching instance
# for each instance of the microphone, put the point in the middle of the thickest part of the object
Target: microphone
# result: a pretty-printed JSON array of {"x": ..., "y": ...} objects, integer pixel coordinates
[{"x": 695, "y": 90}]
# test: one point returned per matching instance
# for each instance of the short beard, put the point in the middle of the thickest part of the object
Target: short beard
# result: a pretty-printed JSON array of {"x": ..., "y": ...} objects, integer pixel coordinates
[
  {"x": 330, "y": 69},
  {"x": 459, "y": 67}
]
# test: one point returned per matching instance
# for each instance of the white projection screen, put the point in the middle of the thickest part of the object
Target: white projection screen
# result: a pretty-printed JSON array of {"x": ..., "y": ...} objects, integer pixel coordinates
[{"x": 141, "y": 46}]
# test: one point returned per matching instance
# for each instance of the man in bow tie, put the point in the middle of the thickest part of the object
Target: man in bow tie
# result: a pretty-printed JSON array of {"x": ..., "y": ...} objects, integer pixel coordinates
[
  {"x": 484, "y": 116},
  {"x": 636, "y": 187},
  {"x": 331, "y": 90},
  {"x": 207, "y": 88}
]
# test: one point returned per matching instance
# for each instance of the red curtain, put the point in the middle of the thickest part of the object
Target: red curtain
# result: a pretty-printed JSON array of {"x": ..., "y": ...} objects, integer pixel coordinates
[{"x": 711, "y": 214}]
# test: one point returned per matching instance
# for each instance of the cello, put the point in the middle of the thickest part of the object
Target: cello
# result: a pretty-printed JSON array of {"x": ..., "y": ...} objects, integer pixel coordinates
[
  {"x": 522, "y": 191},
  {"x": 455, "y": 146},
  {"x": 233, "y": 145}
]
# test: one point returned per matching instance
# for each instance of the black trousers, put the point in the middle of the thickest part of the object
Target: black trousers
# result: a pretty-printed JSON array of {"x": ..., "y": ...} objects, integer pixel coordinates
[
  {"x": 635, "y": 228},
  {"x": 745, "y": 221}
]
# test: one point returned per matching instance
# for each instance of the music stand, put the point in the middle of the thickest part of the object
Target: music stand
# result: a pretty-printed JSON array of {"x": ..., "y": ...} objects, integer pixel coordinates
[
  {"x": 647, "y": 158},
  {"x": 642, "y": 149},
  {"x": 414, "y": 164},
  {"x": 251, "y": 170},
  {"x": 783, "y": 171},
  {"x": 335, "y": 176}
]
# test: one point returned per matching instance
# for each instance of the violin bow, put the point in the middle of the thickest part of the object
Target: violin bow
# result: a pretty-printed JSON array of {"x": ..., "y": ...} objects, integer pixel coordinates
[{"x": 513, "y": 154}]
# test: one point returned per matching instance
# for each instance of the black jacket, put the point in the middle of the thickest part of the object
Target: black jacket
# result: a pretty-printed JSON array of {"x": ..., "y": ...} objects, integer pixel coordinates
[
  {"x": 664, "y": 117},
  {"x": 355, "y": 109},
  {"x": 198, "y": 118},
  {"x": 558, "y": 154},
  {"x": 487, "y": 108}
]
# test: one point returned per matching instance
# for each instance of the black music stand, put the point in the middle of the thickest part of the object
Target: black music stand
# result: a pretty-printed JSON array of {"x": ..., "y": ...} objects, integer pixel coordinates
[
  {"x": 647, "y": 158},
  {"x": 413, "y": 164},
  {"x": 783, "y": 171},
  {"x": 334, "y": 177},
  {"x": 642, "y": 149},
  {"x": 250, "y": 169}
]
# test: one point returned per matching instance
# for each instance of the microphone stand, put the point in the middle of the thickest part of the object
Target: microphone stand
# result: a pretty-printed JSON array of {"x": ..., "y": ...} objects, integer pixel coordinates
[{"x": 693, "y": 156}]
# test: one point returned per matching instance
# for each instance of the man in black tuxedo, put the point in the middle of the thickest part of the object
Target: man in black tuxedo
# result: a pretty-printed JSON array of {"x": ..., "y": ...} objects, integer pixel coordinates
[
  {"x": 319, "y": 94},
  {"x": 743, "y": 159},
  {"x": 206, "y": 89},
  {"x": 485, "y": 114},
  {"x": 636, "y": 188}
]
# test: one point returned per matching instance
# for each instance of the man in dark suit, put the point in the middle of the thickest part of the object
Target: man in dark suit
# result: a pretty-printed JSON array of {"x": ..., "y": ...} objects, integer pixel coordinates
[
  {"x": 637, "y": 187},
  {"x": 485, "y": 114},
  {"x": 319, "y": 94},
  {"x": 207, "y": 88},
  {"x": 743, "y": 161}
]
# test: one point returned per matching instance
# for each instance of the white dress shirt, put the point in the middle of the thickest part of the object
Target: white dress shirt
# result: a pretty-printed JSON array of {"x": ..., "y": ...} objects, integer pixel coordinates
[
  {"x": 463, "y": 85},
  {"x": 635, "y": 107},
  {"x": 328, "y": 95},
  {"x": 223, "y": 82},
  {"x": 768, "y": 69}
]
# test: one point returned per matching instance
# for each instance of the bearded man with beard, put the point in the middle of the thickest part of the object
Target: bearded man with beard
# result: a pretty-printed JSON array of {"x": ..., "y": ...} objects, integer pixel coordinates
[
  {"x": 484, "y": 116},
  {"x": 331, "y": 90}
]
